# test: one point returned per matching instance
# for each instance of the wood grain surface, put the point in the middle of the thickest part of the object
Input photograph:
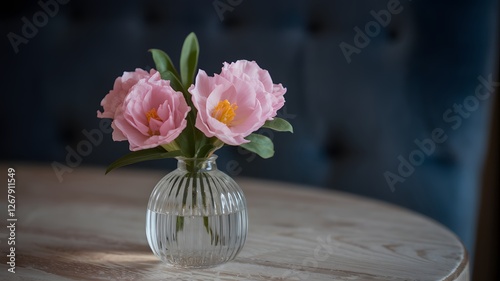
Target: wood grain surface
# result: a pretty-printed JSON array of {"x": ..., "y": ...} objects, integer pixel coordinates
[{"x": 91, "y": 227}]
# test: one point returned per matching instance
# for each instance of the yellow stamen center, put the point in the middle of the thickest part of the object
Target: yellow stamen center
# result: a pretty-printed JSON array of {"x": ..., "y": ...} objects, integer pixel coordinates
[
  {"x": 224, "y": 111},
  {"x": 152, "y": 114}
]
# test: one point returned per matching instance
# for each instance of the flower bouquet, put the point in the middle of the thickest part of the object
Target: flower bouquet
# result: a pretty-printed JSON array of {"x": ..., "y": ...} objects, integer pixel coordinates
[{"x": 163, "y": 114}]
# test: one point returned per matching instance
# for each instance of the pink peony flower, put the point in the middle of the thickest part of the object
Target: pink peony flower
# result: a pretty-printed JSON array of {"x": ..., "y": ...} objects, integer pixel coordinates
[
  {"x": 251, "y": 72},
  {"x": 235, "y": 103},
  {"x": 152, "y": 114},
  {"x": 115, "y": 97}
]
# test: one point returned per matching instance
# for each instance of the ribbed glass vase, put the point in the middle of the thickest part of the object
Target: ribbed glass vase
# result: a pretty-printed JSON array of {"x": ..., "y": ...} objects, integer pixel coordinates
[{"x": 197, "y": 215}]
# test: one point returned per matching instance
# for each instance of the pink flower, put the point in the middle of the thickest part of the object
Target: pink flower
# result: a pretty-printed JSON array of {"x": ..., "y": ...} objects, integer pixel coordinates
[
  {"x": 251, "y": 72},
  {"x": 235, "y": 103},
  {"x": 152, "y": 114},
  {"x": 115, "y": 97}
]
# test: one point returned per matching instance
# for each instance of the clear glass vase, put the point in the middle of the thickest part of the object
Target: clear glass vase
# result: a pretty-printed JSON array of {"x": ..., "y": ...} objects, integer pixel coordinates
[{"x": 197, "y": 215}]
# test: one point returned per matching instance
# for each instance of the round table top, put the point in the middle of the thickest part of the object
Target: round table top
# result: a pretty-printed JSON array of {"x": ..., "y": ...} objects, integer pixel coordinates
[{"x": 91, "y": 226}]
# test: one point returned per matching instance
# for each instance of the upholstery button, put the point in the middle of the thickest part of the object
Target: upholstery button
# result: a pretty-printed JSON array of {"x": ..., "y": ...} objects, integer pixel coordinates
[
  {"x": 77, "y": 12},
  {"x": 315, "y": 26},
  {"x": 393, "y": 34},
  {"x": 153, "y": 13},
  {"x": 68, "y": 130},
  {"x": 232, "y": 21},
  {"x": 336, "y": 149}
]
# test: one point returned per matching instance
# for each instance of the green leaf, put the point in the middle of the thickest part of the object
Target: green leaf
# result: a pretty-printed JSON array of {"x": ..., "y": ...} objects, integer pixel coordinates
[
  {"x": 205, "y": 150},
  {"x": 177, "y": 85},
  {"x": 189, "y": 59},
  {"x": 259, "y": 144},
  {"x": 186, "y": 139},
  {"x": 279, "y": 124},
  {"x": 174, "y": 81},
  {"x": 142, "y": 155},
  {"x": 163, "y": 62},
  {"x": 179, "y": 224},
  {"x": 213, "y": 238}
]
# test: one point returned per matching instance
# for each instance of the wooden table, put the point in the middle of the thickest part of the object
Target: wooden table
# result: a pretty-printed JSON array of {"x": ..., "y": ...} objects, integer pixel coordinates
[{"x": 91, "y": 227}]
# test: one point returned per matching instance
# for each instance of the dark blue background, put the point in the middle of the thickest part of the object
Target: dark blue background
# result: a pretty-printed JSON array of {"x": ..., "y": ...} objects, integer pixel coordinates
[{"x": 352, "y": 120}]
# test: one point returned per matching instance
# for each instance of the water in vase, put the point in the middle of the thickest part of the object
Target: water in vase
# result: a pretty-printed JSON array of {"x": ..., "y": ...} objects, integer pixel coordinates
[{"x": 196, "y": 241}]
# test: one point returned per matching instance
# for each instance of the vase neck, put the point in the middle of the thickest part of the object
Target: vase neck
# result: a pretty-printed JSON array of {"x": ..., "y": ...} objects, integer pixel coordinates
[{"x": 196, "y": 165}]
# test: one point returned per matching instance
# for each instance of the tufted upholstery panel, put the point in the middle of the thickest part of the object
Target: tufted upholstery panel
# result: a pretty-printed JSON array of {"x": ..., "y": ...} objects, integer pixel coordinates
[{"x": 352, "y": 120}]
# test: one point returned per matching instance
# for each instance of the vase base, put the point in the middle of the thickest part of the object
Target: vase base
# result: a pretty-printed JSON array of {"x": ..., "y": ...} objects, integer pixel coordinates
[{"x": 194, "y": 261}]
